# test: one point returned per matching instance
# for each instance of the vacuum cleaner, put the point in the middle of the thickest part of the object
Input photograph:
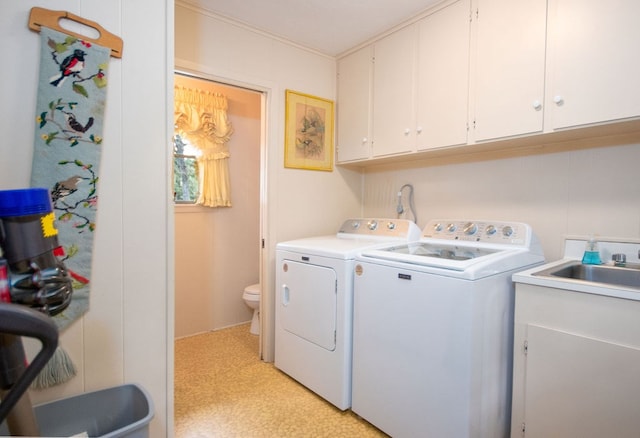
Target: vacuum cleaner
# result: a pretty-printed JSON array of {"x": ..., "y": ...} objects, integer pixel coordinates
[{"x": 34, "y": 285}]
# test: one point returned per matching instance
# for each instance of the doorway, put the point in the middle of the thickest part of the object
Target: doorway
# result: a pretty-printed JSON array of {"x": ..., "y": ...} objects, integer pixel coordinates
[{"x": 218, "y": 250}]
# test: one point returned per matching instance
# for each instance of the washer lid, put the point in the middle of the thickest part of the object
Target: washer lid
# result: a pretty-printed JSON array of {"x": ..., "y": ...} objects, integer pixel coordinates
[
  {"x": 441, "y": 255},
  {"x": 450, "y": 257},
  {"x": 440, "y": 251},
  {"x": 465, "y": 249}
]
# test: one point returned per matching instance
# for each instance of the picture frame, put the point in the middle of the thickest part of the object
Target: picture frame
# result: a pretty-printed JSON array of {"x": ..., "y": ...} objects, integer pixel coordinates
[{"x": 309, "y": 124}]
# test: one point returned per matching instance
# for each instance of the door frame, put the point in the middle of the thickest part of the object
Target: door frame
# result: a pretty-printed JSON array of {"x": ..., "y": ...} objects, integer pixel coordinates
[{"x": 187, "y": 69}]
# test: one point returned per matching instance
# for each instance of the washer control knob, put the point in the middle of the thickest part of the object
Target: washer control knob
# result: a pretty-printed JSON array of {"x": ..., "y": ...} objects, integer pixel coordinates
[
  {"x": 372, "y": 225},
  {"x": 470, "y": 228},
  {"x": 355, "y": 225},
  {"x": 507, "y": 231},
  {"x": 491, "y": 230},
  {"x": 451, "y": 227},
  {"x": 391, "y": 226},
  {"x": 437, "y": 227}
]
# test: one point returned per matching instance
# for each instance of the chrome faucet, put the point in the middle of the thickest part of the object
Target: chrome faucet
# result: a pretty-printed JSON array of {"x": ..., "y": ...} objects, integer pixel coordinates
[{"x": 620, "y": 259}]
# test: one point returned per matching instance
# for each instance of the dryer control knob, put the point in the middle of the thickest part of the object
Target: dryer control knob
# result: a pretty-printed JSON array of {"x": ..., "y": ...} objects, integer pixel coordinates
[
  {"x": 372, "y": 225},
  {"x": 491, "y": 230},
  {"x": 391, "y": 226},
  {"x": 437, "y": 227},
  {"x": 507, "y": 231},
  {"x": 451, "y": 227}
]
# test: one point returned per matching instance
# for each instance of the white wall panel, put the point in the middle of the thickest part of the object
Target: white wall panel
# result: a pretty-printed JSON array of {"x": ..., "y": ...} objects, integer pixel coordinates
[
  {"x": 592, "y": 191},
  {"x": 127, "y": 334}
]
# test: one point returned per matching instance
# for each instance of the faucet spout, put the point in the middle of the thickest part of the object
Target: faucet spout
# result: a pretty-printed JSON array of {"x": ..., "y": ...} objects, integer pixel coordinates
[{"x": 619, "y": 259}]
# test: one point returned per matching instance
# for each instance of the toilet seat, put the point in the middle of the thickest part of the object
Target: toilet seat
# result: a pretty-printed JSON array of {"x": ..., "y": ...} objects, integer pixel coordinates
[{"x": 252, "y": 292}]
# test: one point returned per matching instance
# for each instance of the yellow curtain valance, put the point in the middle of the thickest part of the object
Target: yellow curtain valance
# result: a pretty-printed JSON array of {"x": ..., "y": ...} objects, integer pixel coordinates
[{"x": 201, "y": 118}]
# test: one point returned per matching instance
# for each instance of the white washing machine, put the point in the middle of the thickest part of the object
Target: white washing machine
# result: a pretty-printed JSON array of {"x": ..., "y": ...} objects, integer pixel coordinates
[
  {"x": 314, "y": 303},
  {"x": 433, "y": 329}
]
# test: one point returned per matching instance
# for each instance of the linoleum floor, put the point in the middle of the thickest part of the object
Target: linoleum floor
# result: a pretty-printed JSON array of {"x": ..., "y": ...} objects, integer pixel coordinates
[{"x": 222, "y": 389}]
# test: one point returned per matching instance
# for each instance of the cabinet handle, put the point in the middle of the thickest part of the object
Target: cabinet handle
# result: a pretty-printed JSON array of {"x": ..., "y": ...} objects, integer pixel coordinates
[
  {"x": 559, "y": 100},
  {"x": 419, "y": 129},
  {"x": 364, "y": 140},
  {"x": 407, "y": 131},
  {"x": 537, "y": 105}
]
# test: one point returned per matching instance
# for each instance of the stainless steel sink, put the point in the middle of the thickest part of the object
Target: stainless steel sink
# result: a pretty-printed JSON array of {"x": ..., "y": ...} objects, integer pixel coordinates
[{"x": 607, "y": 275}]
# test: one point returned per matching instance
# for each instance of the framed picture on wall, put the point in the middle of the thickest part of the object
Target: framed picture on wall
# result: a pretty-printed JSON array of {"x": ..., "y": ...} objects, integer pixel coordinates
[{"x": 308, "y": 142}]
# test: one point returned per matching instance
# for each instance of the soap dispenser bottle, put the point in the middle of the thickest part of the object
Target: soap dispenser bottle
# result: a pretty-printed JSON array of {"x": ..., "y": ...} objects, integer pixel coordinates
[{"x": 591, "y": 253}]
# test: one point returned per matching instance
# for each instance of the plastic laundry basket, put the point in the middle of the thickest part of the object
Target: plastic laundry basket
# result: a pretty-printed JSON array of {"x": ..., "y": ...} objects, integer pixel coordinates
[{"x": 121, "y": 411}]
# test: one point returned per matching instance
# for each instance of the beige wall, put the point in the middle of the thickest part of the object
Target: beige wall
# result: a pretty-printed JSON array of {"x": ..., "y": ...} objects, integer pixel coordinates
[
  {"x": 295, "y": 203},
  {"x": 591, "y": 191},
  {"x": 217, "y": 249},
  {"x": 127, "y": 335}
]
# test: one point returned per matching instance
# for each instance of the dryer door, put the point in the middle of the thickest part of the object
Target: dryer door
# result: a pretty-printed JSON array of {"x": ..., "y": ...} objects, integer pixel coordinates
[{"x": 308, "y": 302}]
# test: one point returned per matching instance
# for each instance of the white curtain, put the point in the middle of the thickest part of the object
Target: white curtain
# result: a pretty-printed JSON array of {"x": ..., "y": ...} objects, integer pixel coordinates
[{"x": 201, "y": 118}]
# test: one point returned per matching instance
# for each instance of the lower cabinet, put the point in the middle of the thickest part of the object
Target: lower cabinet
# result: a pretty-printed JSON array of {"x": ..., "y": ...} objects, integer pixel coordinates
[{"x": 576, "y": 362}]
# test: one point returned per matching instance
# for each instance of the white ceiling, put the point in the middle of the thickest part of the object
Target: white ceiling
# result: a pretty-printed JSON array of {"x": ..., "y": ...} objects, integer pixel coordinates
[{"x": 328, "y": 26}]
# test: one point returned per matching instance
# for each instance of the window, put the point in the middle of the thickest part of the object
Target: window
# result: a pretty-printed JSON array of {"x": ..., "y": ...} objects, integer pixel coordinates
[
  {"x": 185, "y": 171},
  {"x": 201, "y": 120}
]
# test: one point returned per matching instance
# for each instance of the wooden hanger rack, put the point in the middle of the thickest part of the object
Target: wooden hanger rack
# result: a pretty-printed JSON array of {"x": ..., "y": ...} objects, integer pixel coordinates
[{"x": 44, "y": 17}]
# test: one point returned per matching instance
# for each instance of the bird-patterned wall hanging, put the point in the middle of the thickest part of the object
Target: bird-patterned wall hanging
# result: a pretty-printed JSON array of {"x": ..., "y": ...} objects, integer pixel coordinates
[{"x": 67, "y": 148}]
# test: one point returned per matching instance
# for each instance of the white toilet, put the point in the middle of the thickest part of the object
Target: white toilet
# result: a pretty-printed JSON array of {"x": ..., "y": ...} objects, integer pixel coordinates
[{"x": 251, "y": 296}]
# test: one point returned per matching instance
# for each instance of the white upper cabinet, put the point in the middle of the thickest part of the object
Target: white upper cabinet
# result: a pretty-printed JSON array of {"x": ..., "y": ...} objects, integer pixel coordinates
[
  {"x": 394, "y": 129},
  {"x": 594, "y": 62},
  {"x": 475, "y": 72},
  {"x": 509, "y": 68},
  {"x": 443, "y": 77},
  {"x": 354, "y": 105}
]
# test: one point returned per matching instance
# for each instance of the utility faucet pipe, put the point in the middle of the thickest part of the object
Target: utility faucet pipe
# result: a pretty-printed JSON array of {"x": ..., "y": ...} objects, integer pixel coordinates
[{"x": 400, "y": 207}]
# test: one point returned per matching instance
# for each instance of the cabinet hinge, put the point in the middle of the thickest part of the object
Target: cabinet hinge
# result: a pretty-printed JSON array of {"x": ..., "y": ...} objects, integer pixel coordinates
[
  {"x": 262, "y": 242},
  {"x": 525, "y": 348},
  {"x": 477, "y": 13},
  {"x": 523, "y": 428}
]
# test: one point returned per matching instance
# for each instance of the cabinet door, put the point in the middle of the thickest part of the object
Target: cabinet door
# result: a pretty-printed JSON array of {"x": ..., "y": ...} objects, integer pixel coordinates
[
  {"x": 509, "y": 72},
  {"x": 354, "y": 105},
  {"x": 443, "y": 77},
  {"x": 580, "y": 387},
  {"x": 393, "y": 93},
  {"x": 594, "y": 64}
]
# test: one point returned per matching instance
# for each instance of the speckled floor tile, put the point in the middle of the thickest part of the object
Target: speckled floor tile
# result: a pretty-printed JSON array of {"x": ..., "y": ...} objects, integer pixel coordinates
[{"x": 223, "y": 390}]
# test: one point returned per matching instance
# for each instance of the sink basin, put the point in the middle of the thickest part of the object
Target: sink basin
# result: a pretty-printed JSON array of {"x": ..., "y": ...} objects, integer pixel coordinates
[{"x": 627, "y": 277}]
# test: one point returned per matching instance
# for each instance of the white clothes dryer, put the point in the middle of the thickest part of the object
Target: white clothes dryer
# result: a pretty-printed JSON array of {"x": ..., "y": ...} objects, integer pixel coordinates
[
  {"x": 433, "y": 329},
  {"x": 314, "y": 303}
]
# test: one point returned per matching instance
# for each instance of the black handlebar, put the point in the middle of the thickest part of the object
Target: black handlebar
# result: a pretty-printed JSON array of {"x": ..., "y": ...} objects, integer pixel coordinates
[{"x": 22, "y": 321}]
